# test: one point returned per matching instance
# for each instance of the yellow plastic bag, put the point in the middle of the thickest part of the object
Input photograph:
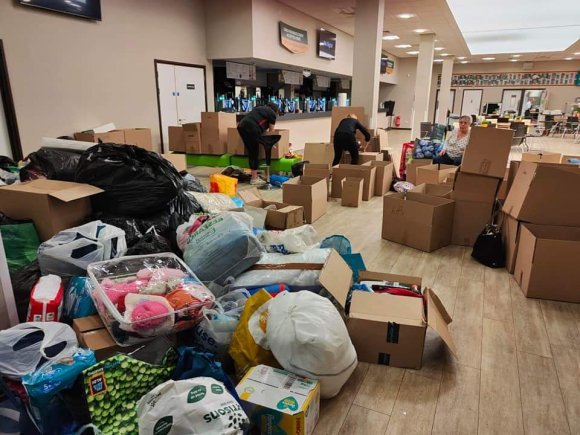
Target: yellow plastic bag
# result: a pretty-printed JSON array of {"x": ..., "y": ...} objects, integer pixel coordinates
[
  {"x": 249, "y": 347},
  {"x": 219, "y": 183}
]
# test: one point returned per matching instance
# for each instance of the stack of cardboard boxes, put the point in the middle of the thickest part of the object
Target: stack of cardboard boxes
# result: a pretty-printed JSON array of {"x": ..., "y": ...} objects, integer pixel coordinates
[
  {"x": 541, "y": 230},
  {"x": 140, "y": 137}
]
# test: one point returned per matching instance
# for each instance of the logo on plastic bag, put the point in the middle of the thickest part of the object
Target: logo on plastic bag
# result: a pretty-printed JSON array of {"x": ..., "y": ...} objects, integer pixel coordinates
[
  {"x": 98, "y": 383},
  {"x": 163, "y": 426},
  {"x": 196, "y": 394}
]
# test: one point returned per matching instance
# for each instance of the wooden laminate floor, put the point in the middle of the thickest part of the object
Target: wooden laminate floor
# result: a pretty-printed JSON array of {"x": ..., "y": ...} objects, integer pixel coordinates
[{"x": 517, "y": 368}]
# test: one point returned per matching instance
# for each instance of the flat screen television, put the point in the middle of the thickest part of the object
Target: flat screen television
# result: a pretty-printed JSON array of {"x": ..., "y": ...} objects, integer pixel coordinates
[
  {"x": 90, "y": 9},
  {"x": 326, "y": 44}
]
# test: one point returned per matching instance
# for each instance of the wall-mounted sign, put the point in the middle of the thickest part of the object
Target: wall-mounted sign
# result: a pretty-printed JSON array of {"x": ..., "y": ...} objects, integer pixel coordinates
[
  {"x": 294, "y": 39},
  {"x": 387, "y": 65},
  {"x": 240, "y": 71},
  {"x": 552, "y": 78},
  {"x": 291, "y": 77},
  {"x": 326, "y": 44}
]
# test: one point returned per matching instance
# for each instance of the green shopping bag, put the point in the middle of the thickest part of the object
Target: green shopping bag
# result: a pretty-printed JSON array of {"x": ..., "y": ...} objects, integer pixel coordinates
[{"x": 20, "y": 242}]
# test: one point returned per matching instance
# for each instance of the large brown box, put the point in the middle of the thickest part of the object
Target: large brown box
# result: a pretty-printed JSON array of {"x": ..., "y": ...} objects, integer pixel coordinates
[
  {"x": 140, "y": 137},
  {"x": 319, "y": 153},
  {"x": 177, "y": 160},
  {"x": 214, "y": 131},
  {"x": 176, "y": 138},
  {"x": 352, "y": 191},
  {"x": 52, "y": 205},
  {"x": 417, "y": 220},
  {"x": 363, "y": 157},
  {"x": 441, "y": 190},
  {"x": 411, "y": 169},
  {"x": 544, "y": 194},
  {"x": 235, "y": 143},
  {"x": 383, "y": 177},
  {"x": 283, "y": 217},
  {"x": 487, "y": 152},
  {"x": 192, "y": 138},
  {"x": 434, "y": 174},
  {"x": 386, "y": 329},
  {"x": 319, "y": 170},
  {"x": 113, "y": 136},
  {"x": 309, "y": 192},
  {"x": 547, "y": 262},
  {"x": 366, "y": 172}
]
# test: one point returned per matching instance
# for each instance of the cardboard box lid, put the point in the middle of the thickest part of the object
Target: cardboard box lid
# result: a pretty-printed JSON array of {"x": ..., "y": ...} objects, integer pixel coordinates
[
  {"x": 378, "y": 163},
  {"x": 90, "y": 323},
  {"x": 250, "y": 195},
  {"x": 62, "y": 190},
  {"x": 387, "y": 308},
  {"x": 438, "y": 319},
  {"x": 541, "y": 156},
  {"x": 336, "y": 277},
  {"x": 487, "y": 151},
  {"x": 432, "y": 189}
]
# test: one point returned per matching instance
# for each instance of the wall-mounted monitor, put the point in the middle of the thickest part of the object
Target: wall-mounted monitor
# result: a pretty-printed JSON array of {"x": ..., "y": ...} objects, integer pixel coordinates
[
  {"x": 90, "y": 9},
  {"x": 326, "y": 44}
]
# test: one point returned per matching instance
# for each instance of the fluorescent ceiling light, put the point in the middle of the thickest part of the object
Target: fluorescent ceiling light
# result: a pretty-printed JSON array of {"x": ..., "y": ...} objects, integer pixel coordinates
[
  {"x": 461, "y": 57},
  {"x": 438, "y": 48},
  {"x": 412, "y": 52},
  {"x": 577, "y": 53},
  {"x": 403, "y": 46},
  {"x": 420, "y": 30},
  {"x": 437, "y": 60},
  {"x": 488, "y": 58},
  {"x": 514, "y": 60},
  {"x": 405, "y": 16},
  {"x": 513, "y": 27},
  {"x": 390, "y": 37},
  {"x": 568, "y": 58},
  {"x": 516, "y": 55},
  {"x": 444, "y": 54},
  {"x": 464, "y": 61}
]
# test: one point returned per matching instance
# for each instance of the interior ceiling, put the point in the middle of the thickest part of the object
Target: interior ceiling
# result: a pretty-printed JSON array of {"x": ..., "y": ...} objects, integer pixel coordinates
[{"x": 433, "y": 15}]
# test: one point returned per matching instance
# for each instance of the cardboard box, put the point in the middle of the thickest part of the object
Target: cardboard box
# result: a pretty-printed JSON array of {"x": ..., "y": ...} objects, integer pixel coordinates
[
  {"x": 417, "y": 220},
  {"x": 386, "y": 329},
  {"x": 309, "y": 192},
  {"x": 176, "y": 138},
  {"x": 352, "y": 192},
  {"x": 475, "y": 188},
  {"x": 52, "y": 205},
  {"x": 502, "y": 191},
  {"x": 280, "y": 402},
  {"x": 363, "y": 157},
  {"x": 113, "y": 136},
  {"x": 541, "y": 157},
  {"x": 544, "y": 193},
  {"x": 235, "y": 143},
  {"x": 547, "y": 262},
  {"x": 214, "y": 131},
  {"x": 383, "y": 177},
  {"x": 319, "y": 153},
  {"x": 441, "y": 190},
  {"x": 366, "y": 172},
  {"x": 434, "y": 174},
  {"x": 92, "y": 333},
  {"x": 510, "y": 231},
  {"x": 192, "y": 138},
  {"x": 140, "y": 137},
  {"x": 512, "y": 171},
  {"x": 320, "y": 171},
  {"x": 487, "y": 152},
  {"x": 284, "y": 217},
  {"x": 178, "y": 160},
  {"x": 411, "y": 169},
  {"x": 281, "y": 148}
]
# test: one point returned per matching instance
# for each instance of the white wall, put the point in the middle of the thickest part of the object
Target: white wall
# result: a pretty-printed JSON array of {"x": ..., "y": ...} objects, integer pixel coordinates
[
  {"x": 402, "y": 92},
  {"x": 69, "y": 74},
  {"x": 228, "y": 29},
  {"x": 5, "y": 149}
]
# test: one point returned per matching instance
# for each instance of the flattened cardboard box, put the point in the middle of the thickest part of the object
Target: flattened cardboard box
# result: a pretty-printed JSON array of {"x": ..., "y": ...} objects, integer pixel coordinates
[
  {"x": 541, "y": 157},
  {"x": 308, "y": 192},
  {"x": 352, "y": 191},
  {"x": 386, "y": 329},
  {"x": 366, "y": 172},
  {"x": 319, "y": 153},
  {"x": 420, "y": 221},
  {"x": 544, "y": 193},
  {"x": 52, "y": 205},
  {"x": 383, "y": 177},
  {"x": 441, "y": 190},
  {"x": 487, "y": 152},
  {"x": 547, "y": 262},
  {"x": 284, "y": 217}
]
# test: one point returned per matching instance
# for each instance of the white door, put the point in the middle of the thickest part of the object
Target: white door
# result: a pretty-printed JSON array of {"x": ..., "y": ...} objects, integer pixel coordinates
[
  {"x": 471, "y": 104},
  {"x": 167, "y": 100},
  {"x": 511, "y": 100},
  {"x": 190, "y": 89}
]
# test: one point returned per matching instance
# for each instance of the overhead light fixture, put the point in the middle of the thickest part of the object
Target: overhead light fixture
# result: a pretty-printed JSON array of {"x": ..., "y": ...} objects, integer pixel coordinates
[
  {"x": 444, "y": 54},
  {"x": 323, "y": 29},
  {"x": 438, "y": 48},
  {"x": 514, "y": 60},
  {"x": 403, "y": 46},
  {"x": 516, "y": 55},
  {"x": 412, "y": 53},
  {"x": 461, "y": 58},
  {"x": 405, "y": 16},
  {"x": 420, "y": 30},
  {"x": 568, "y": 58},
  {"x": 464, "y": 61},
  {"x": 390, "y": 37},
  {"x": 437, "y": 60},
  {"x": 488, "y": 58},
  {"x": 577, "y": 53}
]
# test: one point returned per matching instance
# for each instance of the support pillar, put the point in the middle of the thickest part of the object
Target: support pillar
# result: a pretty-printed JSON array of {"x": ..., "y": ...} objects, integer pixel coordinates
[
  {"x": 423, "y": 82},
  {"x": 445, "y": 90}
]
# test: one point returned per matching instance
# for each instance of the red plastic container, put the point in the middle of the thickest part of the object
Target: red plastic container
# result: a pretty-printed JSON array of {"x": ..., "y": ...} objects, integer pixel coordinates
[{"x": 46, "y": 300}]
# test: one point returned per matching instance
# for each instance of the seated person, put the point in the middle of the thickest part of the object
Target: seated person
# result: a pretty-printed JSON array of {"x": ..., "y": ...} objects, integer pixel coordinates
[
  {"x": 453, "y": 148},
  {"x": 345, "y": 139}
]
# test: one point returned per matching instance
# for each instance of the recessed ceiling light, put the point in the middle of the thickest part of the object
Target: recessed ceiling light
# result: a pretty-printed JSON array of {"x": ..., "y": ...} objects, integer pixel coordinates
[
  {"x": 420, "y": 30},
  {"x": 437, "y": 60},
  {"x": 445, "y": 54},
  {"x": 461, "y": 58},
  {"x": 577, "y": 53},
  {"x": 405, "y": 16},
  {"x": 438, "y": 48},
  {"x": 403, "y": 46},
  {"x": 322, "y": 28},
  {"x": 514, "y": 60},
  {"x": 516, "y": 55},
  {"x": 390, "y": 37},
  {"x": 464, "y": 61},
  {"x": 488, "y": 58},
  {"x": 412, "y": 52},
  {"x": 568, "y": 58}
]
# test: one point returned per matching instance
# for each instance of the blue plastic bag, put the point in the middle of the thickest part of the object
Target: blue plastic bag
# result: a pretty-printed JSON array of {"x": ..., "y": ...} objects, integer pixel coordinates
[{"x": 77, "y": 298}]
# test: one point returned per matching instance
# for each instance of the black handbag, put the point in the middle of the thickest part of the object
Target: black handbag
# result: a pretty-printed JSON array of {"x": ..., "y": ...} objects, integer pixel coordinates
[{"x": 488, "y": 248}]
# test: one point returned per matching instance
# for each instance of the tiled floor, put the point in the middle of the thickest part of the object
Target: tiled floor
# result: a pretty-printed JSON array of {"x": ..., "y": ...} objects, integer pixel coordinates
[{"x": 517, "y": 368}]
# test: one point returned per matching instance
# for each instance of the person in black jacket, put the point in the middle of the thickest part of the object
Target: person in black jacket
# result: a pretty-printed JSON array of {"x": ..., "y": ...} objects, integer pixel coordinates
[
  {"x": 251, "y": 128},
  {"x": 345, "y": 139}
]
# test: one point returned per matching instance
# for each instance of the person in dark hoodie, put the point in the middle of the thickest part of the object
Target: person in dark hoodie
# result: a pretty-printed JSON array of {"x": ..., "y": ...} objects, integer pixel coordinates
[
  {"x": 251, "y": 129},
  {"x": 345, "y": 139}
]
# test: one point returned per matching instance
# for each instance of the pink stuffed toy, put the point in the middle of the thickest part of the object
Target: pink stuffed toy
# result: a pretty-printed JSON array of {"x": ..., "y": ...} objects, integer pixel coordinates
[
  {"x": 116, "y": 291},
  {"x": 149, "y": 315}
]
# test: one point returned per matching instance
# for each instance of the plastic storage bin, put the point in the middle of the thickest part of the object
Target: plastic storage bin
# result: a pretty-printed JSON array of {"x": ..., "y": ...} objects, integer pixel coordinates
[{"x": 144, "y": 296}]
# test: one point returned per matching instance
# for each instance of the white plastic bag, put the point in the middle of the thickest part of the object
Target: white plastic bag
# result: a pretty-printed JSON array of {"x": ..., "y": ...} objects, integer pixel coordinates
[
  {"x": 308, "y": 337},
  {"x": 214, "y": 202},
  {"x": 292, "y": 241},
  {"x": 71, "y": 251},
  {"x": 27, "y": 346},
  {"x": 192, "y": 406}
]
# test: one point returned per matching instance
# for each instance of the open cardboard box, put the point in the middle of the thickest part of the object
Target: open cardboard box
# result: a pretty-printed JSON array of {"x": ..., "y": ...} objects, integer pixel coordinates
[
  {"x": 366, "y": 172},
  {"x": 352, "y": 191},
  {"x": 441, "y": 190},
  {"x": 383, "y": 177},
  {"x": 434, "y": 174},
  {"x": 411, "y": 169},
  {"x": 319, "y": 153},
  {"x": 386, "y": 329},
  {"x": 285, "y": 216},
  {"x": 308, "y": 192}
]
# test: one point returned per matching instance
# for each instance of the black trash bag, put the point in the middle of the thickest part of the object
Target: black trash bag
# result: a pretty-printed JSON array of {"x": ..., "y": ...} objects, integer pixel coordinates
[
  {"x": 55, "y": 164},
  {"x": 191, "y": 183},
  {"x": 298, "y": 169},
  {"x": 130, "y": 225},
  {"x": 150, "y": 243},
  {"x": 136, "y": 182},
  {"x": 6, "y": 162},
  {"x": 237, "y": 173},
  {"x": 22, "y": 282}
]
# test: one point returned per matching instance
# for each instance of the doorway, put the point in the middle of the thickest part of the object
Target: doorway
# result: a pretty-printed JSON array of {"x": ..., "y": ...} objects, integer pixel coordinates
[
  {"x": 181, "y": 95},
  {"x": 471, "y": 104},
  {"x": 532, "y": 102},
  {"x": 451, "y": 104},
  {"x": 10, "y": 145},
  {"x": 511, "y": 101}
]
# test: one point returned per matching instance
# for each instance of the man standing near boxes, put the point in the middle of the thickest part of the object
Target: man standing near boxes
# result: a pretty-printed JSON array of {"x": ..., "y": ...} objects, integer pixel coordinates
[
  {"x": 251, "y": 129},
  {"x": 345, "y": 139}
]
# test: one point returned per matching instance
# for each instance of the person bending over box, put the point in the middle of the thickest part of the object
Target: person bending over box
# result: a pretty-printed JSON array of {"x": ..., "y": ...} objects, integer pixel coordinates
[
  {"x": 453, "y": 148},
  {"x": 345, "y": 139}
]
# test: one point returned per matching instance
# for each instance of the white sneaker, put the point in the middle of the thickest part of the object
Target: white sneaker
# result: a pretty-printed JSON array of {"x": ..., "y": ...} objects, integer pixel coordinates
[{"x": 257, "y": 182}]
